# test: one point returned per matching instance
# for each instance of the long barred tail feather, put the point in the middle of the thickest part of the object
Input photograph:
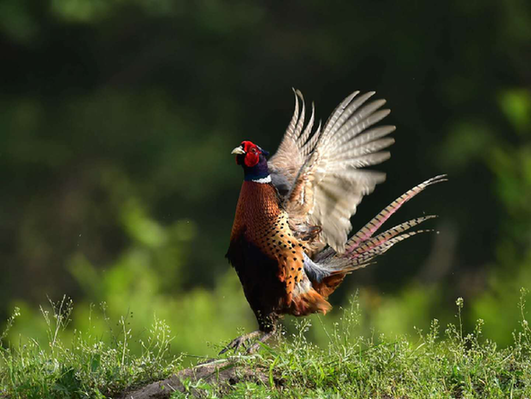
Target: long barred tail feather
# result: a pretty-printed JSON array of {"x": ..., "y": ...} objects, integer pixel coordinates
[
  {"x": 386, "y": 236},
  {"x": 362, "y": 247},
  {"x": 370, "y": 228},
  {"x": 367, "y": 256}
]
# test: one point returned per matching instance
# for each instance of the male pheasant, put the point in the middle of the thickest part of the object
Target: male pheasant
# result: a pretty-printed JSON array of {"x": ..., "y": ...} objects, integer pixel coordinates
[{"x": 289, "y": 241}]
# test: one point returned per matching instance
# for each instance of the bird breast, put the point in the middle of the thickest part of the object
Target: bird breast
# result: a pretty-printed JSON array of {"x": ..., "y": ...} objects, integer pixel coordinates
[{"x": 265, "y": 225}]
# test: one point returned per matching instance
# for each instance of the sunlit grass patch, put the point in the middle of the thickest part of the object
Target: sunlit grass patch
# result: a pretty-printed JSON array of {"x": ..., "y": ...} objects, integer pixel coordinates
[{"x": 84, "y": 365}]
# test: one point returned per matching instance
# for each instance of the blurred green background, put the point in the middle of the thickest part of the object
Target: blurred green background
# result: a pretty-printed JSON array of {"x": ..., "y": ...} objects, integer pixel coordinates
[{"x": 117, "y": 118}]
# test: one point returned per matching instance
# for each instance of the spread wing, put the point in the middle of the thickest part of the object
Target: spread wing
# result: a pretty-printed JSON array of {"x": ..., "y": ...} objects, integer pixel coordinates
[{"x": 322, "y": 169}]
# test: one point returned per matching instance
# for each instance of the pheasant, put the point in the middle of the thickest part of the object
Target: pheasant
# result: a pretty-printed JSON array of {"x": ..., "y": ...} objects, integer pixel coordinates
[{"x": 289, "y": 242}]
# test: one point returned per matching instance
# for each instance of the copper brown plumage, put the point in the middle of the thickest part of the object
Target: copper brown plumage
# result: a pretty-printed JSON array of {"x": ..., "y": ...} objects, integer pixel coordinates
[{"x": 289, "y": 241}]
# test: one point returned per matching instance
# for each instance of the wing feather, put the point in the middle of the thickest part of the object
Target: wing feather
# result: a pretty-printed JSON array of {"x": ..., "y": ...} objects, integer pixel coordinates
[
  {"x": 344, "y": 114},
  {"x": 323, "y": 168},
  {"x": 300, "y": 122},
  {"x": 367, "y": 137},
  {"x": 368, "y": 148},
  {"x": 304, "y": 138}
]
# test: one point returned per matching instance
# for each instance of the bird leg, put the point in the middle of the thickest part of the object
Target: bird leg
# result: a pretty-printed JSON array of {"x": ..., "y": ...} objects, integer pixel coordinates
[
  {"x": 263, "y": 338},
  {"x": 241, "y": 340},
  {"x": 237, "y": 342}
]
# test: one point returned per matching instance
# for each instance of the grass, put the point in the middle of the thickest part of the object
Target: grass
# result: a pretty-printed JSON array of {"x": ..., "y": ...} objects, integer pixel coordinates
[
  {"x": 85, "y": 366},
  {"x": 352, "y": 366},
  {"x": 451, "y": 363}
]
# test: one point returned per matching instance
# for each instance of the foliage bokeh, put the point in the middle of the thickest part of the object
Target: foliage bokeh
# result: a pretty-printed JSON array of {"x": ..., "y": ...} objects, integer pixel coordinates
[{"x": 118, "y": 118}]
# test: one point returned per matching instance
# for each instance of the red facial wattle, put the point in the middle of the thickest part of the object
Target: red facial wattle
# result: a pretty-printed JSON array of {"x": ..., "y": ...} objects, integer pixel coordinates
[{"x": 252, "y": 154}]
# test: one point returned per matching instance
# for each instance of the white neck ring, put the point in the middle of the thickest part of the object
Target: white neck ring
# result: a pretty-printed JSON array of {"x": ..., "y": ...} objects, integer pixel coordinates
[{"x": 263, "y": 180}]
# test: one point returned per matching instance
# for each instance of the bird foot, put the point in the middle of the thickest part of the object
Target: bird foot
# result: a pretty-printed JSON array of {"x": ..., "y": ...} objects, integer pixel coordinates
[{"x": 241, "y": 340}]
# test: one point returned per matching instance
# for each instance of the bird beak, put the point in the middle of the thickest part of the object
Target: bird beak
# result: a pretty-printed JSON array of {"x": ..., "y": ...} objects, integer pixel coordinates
[{"x": 238, "y": 151}]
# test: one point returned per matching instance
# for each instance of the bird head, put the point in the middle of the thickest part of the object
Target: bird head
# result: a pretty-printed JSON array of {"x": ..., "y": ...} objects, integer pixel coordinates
[{"x": 253, "y": 160}]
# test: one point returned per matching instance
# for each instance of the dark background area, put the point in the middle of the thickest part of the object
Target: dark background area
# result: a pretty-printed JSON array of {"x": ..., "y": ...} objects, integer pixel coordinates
[{"x": 118, "y": 117}]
